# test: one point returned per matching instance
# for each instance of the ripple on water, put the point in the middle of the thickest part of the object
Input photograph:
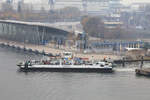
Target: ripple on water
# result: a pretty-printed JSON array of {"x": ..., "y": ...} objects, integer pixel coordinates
[{"x": 16, "y": 85}]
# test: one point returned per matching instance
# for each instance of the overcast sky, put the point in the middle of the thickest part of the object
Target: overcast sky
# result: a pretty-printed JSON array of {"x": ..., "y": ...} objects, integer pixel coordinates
[
  {"x": 132, "y": 1},
  {"x": 124, "y": 1}
]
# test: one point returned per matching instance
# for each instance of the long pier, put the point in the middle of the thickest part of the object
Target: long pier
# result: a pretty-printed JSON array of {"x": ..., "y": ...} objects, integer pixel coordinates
[{"x": 132, "y": 60}]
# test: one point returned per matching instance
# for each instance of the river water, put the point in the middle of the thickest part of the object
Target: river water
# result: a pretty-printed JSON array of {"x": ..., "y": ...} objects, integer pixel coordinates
[{"x": 123, "y": 84}]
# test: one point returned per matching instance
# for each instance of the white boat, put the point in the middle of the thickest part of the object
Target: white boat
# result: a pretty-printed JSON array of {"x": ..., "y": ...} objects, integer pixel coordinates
[
  {"x": 59, "y": 66},
  {"x": 66, "y": 63}
]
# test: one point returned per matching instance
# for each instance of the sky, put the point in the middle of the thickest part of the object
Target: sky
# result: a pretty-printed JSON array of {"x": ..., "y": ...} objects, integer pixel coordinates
[
  {"x": 124, "y": 1},
  {"x": 132, "y": 1}
]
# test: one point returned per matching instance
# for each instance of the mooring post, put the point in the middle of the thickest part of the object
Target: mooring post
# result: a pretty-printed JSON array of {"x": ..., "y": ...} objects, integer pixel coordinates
[
  {"x": 141, "y": 62},
  {"x": 123, "y": 62}
]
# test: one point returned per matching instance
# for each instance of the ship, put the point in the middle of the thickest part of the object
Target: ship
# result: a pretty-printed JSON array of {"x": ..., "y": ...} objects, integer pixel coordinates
[{"x": 67, "y": 63}]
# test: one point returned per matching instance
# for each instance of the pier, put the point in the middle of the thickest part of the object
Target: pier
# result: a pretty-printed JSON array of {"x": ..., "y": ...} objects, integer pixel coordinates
[
  {"x": 130, "y": 61},
  {"x": 141, "y": 59}
]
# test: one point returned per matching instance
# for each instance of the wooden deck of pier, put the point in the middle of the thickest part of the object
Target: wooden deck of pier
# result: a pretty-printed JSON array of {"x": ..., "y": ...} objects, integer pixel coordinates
[{"x": 145, "y": 58}]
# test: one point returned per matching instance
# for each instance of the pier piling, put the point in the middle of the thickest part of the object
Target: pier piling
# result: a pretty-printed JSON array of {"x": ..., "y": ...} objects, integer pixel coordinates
[
  {"x": 123, "y": 62},
  {"x": 142, "y": 62}
]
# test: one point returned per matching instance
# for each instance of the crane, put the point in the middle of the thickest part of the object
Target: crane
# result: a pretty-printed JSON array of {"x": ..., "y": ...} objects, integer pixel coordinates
[
  {"x": 20, "y": 2},
  {"x": 9, "y": 1},
  {"x": 84, "y": 4},
  {"x": 51, "y": 3}
]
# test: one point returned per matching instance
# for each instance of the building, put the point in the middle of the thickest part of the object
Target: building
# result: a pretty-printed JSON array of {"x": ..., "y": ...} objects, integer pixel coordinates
[{"x": 112, "y": 25}]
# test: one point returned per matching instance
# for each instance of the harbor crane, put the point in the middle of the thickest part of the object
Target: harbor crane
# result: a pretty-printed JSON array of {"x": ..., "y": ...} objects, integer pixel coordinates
[
  {"x": 51, "y": 3},
  {"x": 9, "y": 1},
  {"x": 20, "y": 2},
  {"x": 84, "y": 4}
]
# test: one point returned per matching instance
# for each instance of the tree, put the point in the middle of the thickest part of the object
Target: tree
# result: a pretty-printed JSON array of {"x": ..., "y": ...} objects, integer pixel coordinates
[
  {"x": 93, "y": 26},
  {"x": 69, "y": 12},
  {"x": 115, "y": 33}
]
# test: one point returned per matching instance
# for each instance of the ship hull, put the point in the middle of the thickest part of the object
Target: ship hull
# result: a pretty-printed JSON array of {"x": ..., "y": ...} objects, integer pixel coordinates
[
  {"x": 105, "y": 70},
  {"x": 68, "y": 69}
]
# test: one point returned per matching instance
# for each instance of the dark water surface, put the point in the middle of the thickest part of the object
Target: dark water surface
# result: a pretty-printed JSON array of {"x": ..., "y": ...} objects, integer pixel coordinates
[{"x": 16, "y": 85}]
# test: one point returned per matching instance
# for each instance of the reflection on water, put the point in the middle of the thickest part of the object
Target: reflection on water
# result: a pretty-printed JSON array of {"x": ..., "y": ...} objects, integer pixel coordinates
[{"x": 17, "y": 85}]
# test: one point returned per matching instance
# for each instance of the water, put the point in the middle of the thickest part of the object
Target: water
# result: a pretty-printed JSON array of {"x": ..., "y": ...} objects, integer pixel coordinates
[{"x": 16, "y": 85}]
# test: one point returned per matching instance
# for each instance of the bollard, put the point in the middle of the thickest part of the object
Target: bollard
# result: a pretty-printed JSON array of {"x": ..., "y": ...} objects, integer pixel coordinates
[
  {"x": 123, "y": 62},
  {"x": 141, "y": 62},
  {"x": 24, "y": 49}
]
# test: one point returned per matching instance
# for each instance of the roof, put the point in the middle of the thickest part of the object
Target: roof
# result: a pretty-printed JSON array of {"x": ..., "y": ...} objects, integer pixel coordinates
[
  {"x": 48, "y": 25},
  {"x": 113, "y": 22}
]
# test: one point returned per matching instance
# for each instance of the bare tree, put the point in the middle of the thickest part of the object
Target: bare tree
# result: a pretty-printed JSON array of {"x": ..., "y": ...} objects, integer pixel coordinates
[{"x": 94, "y": 26}]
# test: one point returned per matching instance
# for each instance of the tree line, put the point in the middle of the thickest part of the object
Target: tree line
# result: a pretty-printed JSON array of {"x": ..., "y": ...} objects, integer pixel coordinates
[
  {"x": 94, "y": 26},
  {"x": 27, "y": 13}
]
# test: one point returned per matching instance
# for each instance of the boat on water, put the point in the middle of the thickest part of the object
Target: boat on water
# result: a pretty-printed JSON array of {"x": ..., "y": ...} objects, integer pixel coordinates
[{"x": 66, "y": 64}]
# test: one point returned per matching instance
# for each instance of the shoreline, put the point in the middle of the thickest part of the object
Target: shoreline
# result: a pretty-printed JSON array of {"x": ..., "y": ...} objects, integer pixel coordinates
[{"x": 48, "y": 49}]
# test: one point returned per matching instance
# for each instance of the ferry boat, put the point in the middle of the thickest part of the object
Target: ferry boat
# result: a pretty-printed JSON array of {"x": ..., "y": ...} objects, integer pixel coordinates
[{"x": 66, "y": 64}]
